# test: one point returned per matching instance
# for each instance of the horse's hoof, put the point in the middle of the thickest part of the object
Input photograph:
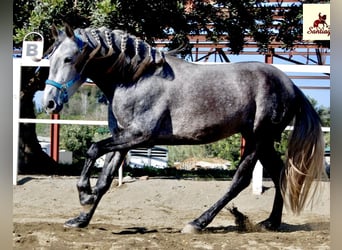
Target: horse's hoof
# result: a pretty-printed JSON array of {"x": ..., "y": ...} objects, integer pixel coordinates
[
  {"x": 190, "y": 229},
  {"x": 79, "y": 222}
]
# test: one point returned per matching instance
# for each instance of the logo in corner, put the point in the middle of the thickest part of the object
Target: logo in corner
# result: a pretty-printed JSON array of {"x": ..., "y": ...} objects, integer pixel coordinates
[{"x": 316, "y": 22}]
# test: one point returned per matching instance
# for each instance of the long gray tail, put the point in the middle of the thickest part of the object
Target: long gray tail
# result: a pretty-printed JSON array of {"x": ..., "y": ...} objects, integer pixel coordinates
[{"x": 305, "y": 156}]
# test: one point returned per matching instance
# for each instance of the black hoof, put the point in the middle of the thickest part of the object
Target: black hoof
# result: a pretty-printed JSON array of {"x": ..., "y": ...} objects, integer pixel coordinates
[
  {"x": 79, "y": 222},
  {"x": 269, "y": 225}
]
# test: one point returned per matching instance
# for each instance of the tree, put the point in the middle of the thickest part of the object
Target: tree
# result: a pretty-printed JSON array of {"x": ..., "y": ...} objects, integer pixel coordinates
[
  {"x": 228, "y": 149},
  {"x": 40, "y": 15},
  {"x": 229, "y": 20},
  {"x": 32, "y": 158}
]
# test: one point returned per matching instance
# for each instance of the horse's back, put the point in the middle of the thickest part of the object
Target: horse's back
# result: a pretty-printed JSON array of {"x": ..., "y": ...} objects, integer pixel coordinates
[
  {"x": 232, "y": 84},
  {"x": 244, "y": 74},
  {"x": 230, "y": 98}
]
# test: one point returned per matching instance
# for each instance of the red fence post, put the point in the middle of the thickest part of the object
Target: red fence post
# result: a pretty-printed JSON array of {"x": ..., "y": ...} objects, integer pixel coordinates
[
  {"x": 242, "y": 145},
  {"x": 269, "y": 56},
  {"x": 54, "y": 137}
]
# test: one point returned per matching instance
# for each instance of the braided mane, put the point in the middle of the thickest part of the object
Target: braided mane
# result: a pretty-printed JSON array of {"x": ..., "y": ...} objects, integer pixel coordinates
[{"x": 119, "y": 56}]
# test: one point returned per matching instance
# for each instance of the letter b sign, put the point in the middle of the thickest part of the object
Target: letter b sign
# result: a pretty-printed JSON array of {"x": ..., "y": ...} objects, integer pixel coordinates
[{"x": 33, "y": 49}]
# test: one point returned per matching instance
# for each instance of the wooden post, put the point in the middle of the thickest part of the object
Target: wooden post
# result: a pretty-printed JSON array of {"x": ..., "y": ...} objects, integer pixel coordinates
[
  {"x": 120, "y": 173},
  {"x": 257, "y": 179},
  {"x": 242, "y": 146},
  {"x": 54, "y": 136},
  {"x": 269, "y": 56},
  {"x": 196, "y": 56}
]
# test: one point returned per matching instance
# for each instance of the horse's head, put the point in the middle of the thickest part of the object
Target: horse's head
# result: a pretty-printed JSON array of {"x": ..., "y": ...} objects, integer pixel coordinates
[
  {"x": 64, "y": 79},
  {"x": 103, "y": 55}
]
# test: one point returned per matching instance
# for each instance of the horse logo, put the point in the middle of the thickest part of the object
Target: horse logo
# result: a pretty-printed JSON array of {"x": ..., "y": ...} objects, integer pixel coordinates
[{"x": 321, "y": 20}]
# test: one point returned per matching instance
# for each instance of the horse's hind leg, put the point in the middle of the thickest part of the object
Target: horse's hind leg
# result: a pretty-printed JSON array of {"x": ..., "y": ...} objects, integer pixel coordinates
[
  {"x": 241, "y": 180},
  {"x": 272, "y": 162}
]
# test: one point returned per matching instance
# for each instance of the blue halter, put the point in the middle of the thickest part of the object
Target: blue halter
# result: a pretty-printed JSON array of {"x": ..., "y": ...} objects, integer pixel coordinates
[{"x": 63, "y": 87}]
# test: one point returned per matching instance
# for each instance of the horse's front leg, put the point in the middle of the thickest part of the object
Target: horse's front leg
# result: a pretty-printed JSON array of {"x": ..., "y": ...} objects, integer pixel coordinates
[
  {"x": 89, "y": 201},
  {"x": 90, "y": 197},
  {"x": 94, "y": 152}
]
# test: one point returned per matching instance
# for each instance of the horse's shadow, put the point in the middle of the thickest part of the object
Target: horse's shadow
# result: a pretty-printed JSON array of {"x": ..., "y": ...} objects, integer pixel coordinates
[
  {"x": 136, "y": 230},
  {"x": 25, "y": 180},
  {"x": 284, "y": 228},
  {"x": 313, "y": 226}
]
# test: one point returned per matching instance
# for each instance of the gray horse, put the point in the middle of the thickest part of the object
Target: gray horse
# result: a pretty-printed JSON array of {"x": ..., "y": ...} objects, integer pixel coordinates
[{"x": 158, "y": 99}]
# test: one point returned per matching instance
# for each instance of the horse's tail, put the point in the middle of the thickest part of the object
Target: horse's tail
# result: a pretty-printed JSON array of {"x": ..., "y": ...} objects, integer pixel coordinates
[{"x": 305, "y": 155}]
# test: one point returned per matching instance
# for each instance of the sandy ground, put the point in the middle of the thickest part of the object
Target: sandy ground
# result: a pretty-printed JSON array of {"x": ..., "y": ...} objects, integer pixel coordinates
[{"x": 149, "y": 214}]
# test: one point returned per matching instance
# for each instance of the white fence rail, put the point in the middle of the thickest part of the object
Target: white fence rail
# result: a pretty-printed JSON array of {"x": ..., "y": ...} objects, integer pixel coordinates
[{"x": 59, "y": 121}]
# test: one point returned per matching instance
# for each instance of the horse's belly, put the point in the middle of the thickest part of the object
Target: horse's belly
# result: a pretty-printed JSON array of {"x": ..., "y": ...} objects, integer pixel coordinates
[{"x": 205, "y": 131}]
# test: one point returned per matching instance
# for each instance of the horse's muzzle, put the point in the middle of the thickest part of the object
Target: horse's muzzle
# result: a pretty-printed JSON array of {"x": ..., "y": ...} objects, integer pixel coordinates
[{"x": 51, "y": 107}]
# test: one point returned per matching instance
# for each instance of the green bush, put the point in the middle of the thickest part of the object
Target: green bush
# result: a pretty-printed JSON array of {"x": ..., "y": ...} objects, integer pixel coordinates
[{"x": 77, "y": 139}]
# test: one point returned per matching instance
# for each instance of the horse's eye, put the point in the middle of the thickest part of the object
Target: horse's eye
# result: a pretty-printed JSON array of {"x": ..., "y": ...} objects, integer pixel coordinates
[{"x": 68, "y": 60}]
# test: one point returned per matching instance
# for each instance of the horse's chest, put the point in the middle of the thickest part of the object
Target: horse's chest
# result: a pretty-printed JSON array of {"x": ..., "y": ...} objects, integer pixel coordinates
[{"x": 132, "y": 106}]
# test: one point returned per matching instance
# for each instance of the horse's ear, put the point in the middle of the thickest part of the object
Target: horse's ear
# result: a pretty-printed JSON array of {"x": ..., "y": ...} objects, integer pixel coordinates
[
  {"x": 68, "y": 30},
  {"x": 54, "y": 31}
]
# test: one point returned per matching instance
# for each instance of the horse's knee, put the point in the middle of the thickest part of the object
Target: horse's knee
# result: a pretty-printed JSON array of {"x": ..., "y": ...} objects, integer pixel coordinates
[
  {"x": 89, "y": 195},
  {"x": 85, "y": 192},
  {"x": 83, "y": 185}
]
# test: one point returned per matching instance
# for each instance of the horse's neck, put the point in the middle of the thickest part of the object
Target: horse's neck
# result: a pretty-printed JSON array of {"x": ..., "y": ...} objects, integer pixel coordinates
[{"x": 122, "y": 58}]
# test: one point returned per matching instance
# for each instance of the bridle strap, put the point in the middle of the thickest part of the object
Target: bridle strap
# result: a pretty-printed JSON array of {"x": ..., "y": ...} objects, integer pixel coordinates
[
  {"x": 53, "y": 83},
  {"x": 79, "y": 42},
  {"x": 63, "y": 87}
]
